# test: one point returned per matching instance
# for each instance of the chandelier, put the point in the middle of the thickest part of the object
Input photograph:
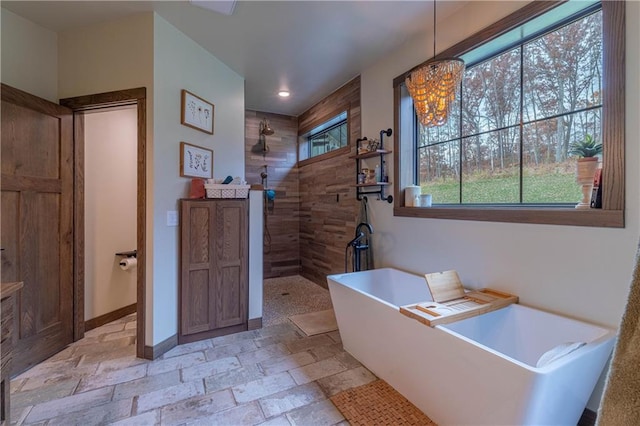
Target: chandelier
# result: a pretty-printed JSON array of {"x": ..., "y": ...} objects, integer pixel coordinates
[{"x": 433, "y": 86}]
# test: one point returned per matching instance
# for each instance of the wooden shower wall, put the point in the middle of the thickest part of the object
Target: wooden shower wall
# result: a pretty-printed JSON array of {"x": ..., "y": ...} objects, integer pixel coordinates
[
  {"x": 315, "y": 210},
  {"x": 283, "y": 223},
  {"x": 328, "y": 206}
]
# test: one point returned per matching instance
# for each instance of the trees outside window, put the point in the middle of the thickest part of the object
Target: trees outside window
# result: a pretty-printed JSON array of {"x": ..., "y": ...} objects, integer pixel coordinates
[{"x": 507, "y": 139}]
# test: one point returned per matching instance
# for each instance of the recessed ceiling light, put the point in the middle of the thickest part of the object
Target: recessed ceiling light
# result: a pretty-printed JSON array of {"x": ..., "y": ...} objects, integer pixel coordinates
[{"x": 284, "y": 93}]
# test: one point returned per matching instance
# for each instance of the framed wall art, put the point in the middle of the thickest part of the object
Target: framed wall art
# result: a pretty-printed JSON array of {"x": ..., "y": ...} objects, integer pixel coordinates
[
  {"x": 195, "y": 161},
  {"x": 197, "y": 113}
]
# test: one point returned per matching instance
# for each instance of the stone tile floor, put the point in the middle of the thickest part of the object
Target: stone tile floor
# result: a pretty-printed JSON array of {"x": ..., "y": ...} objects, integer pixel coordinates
[{"x": 271, "y": 376}]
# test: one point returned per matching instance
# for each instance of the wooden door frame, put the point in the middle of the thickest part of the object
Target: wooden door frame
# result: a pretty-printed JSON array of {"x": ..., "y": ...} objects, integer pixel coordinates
[{"x": 79, "y": 105}]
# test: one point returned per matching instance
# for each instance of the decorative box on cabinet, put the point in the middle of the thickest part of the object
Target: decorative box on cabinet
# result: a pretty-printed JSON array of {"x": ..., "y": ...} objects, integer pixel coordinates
[{"x": 214, "y": 285}]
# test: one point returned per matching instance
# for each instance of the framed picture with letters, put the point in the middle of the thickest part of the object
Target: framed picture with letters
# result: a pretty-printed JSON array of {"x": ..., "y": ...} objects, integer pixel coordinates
[{"x": 195, "y": 161}]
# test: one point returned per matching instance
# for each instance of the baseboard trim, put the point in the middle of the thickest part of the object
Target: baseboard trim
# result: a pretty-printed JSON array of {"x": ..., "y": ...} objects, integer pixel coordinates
[
  {"x": 153, "y": 352},
  {"x": 588, "y": 418},
  {"x": 254, "y": 324},
  {"x": 210, "y": 334},
  {"x": 108, "y": 317}
]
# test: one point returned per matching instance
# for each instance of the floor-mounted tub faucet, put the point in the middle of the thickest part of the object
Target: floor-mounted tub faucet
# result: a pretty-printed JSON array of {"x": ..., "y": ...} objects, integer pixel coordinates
[
  {"x": 358, "y": 246},
  {"x": 366, "y": 225}
]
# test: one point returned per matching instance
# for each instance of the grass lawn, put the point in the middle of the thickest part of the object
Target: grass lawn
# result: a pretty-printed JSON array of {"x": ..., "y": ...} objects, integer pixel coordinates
[{"x": 544, "y": 188}]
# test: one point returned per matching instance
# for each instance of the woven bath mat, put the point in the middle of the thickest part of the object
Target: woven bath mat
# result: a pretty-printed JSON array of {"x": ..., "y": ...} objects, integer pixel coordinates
[{"x": 377, "y": 404}]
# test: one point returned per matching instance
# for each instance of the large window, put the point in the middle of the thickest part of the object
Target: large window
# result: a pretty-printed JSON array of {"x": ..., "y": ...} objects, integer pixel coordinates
[
  {"x": 528, "y": 92},
  {"x": 508, "y": 138}
]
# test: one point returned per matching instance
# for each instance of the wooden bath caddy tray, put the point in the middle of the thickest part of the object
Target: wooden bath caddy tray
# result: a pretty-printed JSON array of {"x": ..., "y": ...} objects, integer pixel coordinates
[{"x": 452, "y": 303}]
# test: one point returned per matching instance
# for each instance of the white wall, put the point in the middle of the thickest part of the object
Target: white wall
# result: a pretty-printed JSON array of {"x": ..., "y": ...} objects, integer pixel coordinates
[
  {"x": 580, "y": 272},
  {"x": 29, "y": 56},
  {"x": 141, "y": 51},
  {"x": 109, "y": 56},
  {"x": 256, "y": 273},
  {"x": 180, "y": 63},
  {"x": 111, "y": 149}
]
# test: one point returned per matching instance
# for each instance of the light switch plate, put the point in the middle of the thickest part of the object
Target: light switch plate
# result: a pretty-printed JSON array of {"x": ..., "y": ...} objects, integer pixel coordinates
[{"x": 172, "y": 218}]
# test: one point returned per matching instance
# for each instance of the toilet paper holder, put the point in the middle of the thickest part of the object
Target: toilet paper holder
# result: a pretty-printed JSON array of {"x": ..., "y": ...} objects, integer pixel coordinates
[
  {"x": 131, "y": 253},
  {"x": 129, "y": 259}
]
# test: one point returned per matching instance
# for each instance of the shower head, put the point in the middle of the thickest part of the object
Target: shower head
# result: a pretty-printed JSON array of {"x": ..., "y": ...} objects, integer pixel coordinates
[
  {"x": 263, "y": 175},
  {"x": 265, "y": 128}
]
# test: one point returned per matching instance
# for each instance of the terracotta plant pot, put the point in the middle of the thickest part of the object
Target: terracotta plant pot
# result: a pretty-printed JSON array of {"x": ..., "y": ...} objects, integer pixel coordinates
[{"x": 586, "y": 170}]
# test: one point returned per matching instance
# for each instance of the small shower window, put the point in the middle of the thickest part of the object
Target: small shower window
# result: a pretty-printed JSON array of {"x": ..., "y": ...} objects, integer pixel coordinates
[{"x": 328, "y": 136}]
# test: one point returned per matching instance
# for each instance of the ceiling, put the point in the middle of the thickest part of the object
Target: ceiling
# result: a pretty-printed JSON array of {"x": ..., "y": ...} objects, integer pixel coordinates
[{"x": 310, "y": 48}]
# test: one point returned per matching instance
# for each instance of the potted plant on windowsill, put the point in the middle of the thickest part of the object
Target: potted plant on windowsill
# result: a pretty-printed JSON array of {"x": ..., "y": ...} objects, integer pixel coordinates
[{"x": 586, "y": 150}]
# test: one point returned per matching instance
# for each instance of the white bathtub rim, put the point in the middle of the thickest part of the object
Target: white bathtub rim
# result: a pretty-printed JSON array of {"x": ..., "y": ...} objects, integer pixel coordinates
[
  {"x": 336, "y": 278},
  {"x": 357, "y": 290},
  {"x": 554, "y": 365}
]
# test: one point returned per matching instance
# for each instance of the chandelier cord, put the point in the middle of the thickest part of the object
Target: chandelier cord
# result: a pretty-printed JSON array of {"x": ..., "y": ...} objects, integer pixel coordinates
[{"x": 434, "y": 28}]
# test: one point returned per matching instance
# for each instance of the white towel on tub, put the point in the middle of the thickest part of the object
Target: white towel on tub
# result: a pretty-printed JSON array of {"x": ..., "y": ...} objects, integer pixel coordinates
[{"x": 558, "y": 352}]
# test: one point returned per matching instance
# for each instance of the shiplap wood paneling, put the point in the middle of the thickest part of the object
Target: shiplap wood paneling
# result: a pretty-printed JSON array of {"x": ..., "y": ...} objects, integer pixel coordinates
[
  {"x": 328, "y": 205},
  {"x": 315, "y": 210},
  {"x": 282, "y": 256}
]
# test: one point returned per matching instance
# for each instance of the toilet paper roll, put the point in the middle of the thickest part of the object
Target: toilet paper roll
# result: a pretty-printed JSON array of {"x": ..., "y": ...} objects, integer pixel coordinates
[
  {"x": 411, "y": 193},
  {"x": 128, "y": 263}
]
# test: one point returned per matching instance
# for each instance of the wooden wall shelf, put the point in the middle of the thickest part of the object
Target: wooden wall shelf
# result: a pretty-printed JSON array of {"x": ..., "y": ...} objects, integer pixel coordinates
[
  {"x": 365, "y": 185},
  {"x": 370, "y": 154},
  {"x": 380, "y": 153}
]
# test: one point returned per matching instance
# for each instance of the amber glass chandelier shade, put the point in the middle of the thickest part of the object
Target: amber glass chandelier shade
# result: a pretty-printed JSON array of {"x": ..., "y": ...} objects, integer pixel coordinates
[{"x": 433, "y": 88}]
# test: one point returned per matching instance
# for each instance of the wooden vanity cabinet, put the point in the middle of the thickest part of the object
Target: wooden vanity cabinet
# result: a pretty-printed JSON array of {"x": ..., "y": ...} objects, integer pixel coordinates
[
  {"x": 214, "y": 284},
  {"x": 8, "y": 337}
]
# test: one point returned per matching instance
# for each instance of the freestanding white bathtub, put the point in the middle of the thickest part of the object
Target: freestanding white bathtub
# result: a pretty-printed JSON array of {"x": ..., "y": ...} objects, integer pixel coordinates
[{"x": 477, "y": 371}]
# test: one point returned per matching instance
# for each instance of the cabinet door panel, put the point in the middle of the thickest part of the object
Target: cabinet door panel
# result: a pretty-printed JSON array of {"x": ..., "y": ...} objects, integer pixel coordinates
[
  {"x": 231, "y": 257},
  {"x": 199, "y": 235},
  {"x": 230, "y": 305},
  {"x": 198, "y": 316},
  {"x": 197, "y": 277}
]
